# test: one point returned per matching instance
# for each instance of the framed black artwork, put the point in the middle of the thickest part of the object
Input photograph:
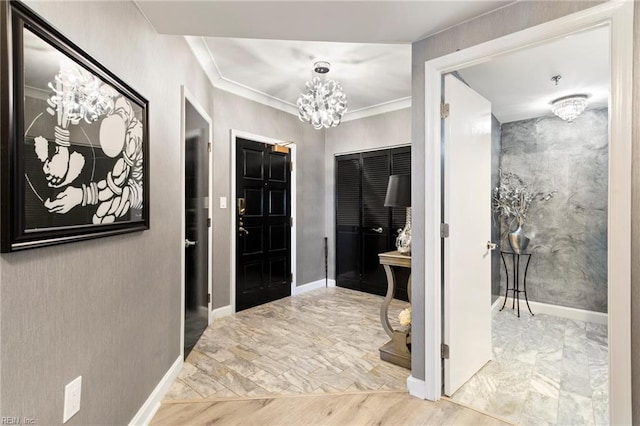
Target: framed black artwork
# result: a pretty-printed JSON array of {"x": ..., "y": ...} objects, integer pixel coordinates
[{"x": 74, "y": 154}]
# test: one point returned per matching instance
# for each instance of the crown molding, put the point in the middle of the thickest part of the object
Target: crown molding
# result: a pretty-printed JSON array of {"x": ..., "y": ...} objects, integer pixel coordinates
[
  {"x": 208, "y": 63},
  {"x": 382, "y": 108}
]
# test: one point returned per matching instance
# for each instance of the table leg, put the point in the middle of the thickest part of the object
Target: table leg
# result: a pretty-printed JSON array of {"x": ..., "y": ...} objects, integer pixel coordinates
[
  {"x": 516, "y": 291},
  {"x": 384, "y": 309},
  {"x": 525, "y": 284},
  {"x": 506, "y": 288}
]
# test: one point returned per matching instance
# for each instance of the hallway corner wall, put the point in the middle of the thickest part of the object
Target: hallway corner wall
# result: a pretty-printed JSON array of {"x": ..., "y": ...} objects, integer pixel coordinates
[{"x": 107, "y": 309}]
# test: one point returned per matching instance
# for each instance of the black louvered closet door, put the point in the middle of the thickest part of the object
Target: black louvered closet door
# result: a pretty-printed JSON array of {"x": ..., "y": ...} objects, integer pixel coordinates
[
  {"x": 364, "y": 227},
  {"x": 348, "y": 221},
  {"x": 375, "y": 220}
]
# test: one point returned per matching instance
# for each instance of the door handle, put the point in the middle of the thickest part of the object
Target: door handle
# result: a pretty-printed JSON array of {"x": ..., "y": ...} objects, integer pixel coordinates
[
  {"x": 378, "y": 230},
  {"x": 189, "y": 243},
  {"x": 241, "y": 229},
  {"x": 491, "y": 246}
]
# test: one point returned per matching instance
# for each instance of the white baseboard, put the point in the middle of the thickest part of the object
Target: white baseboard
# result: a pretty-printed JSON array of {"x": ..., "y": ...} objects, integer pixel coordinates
[
  {"x": 495, "y": 306},
  {"x": 313, "y": 286},
  {"x": 223, "y": 311},
  {"x": 418, "y": 388},
  {"x": 555, "y": 310},
  {"x": 148, "y": 410}
]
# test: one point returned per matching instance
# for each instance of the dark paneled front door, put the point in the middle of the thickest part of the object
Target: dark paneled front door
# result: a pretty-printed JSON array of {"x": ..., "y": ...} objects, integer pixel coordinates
[{"x": 263, "y": 221}]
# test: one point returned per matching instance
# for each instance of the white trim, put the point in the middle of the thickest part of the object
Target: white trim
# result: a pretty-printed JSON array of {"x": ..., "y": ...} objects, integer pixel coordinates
[
  {"x": 185, "y": 96},
  {"x": 221, "y": 312},
  {"x": 390, "y": 106},
  {"x": 495, "y": 306},
  {"x": 205, "y": 58},
  {"x": 619, "y": 15},
  {"x": 150, "y": 407},
  {"x": 417, "y": 388},
  {"x": 234, "y": 134},
  {"x": 314, "y": 285},
  {"x": 555, "y": 310}
]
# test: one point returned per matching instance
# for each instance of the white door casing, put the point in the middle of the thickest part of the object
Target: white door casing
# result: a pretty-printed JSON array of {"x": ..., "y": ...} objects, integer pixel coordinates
[
  {"x": 467, "y": 210},
  {"x": 619, "y": 16}
]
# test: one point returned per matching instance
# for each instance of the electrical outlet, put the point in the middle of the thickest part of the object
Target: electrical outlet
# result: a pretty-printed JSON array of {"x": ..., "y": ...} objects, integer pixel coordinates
[
  {"x": 223, "y": 202},
  {"x": 72, "y": 392}
]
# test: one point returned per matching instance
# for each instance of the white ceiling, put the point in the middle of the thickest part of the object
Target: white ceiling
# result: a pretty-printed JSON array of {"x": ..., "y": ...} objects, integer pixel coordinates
[
  {"x": 519, "y": 84},
  {"x": 264, "y": 50},
  {"x": 329, "y": 20},
  {"x": 371, "y": 74}
]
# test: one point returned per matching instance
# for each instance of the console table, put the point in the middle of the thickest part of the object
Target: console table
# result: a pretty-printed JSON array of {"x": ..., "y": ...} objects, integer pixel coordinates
[
  {"x": 396, "y": 350},
  {"x": 515, "y": 260}
]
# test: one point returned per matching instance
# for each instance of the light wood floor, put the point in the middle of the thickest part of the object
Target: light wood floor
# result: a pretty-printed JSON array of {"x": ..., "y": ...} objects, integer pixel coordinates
[{"x": 364, "y": 408}]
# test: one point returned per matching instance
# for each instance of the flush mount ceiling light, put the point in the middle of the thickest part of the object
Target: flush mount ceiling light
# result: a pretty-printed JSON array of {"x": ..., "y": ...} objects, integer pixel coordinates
[
  {"x": 324, "y": 101},
  {"x": 569, "y": 107}
]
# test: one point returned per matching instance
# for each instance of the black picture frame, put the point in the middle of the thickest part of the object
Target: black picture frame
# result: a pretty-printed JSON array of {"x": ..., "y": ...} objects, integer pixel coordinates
[{"x": 74, "y": 149}]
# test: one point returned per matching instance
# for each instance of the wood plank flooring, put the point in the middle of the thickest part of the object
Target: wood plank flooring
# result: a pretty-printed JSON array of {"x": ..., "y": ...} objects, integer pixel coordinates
[{"x": 370, "y": 408}]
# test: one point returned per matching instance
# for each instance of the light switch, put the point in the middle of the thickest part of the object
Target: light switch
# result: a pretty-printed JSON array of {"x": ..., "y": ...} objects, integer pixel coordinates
[{"x": 223, "y": 202}]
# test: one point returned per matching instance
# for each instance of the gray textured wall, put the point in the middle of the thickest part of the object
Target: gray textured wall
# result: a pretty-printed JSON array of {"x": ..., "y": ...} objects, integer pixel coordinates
[
  {"x": 366, "y": 134},
  {"x": 234, "y": 112},
  {"x": 569, "y": 232},
  {"x": 106, "y": 309},
  {"x": 507, "y": 20}
]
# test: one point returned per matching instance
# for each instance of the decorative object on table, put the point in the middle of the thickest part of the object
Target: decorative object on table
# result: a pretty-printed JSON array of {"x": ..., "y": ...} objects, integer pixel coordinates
[
  {"x": 74, "y": 141},
  {"x": 324, "y": 101},
  {"x": 512, "y": 199},
  {"x": 399, "y": 195}
]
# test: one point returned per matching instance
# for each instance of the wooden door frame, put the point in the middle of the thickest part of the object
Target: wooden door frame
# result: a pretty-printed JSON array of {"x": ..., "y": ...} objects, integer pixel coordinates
[
  {"x": 619, "y": 17},
  {"x": 234, "y": 135},
  {"x": 186, "y": 96}
]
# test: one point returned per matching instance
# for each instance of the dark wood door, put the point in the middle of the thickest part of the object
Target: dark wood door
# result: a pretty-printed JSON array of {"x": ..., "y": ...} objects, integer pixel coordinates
[
  {"x": 196, "y": 249},
  {"x": 364, "y": 226},
  {"x": 263, "y": 221}
]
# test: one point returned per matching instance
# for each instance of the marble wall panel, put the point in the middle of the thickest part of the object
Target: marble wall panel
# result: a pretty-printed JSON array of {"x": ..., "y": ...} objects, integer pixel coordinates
[{"x": 569, "y": 232}]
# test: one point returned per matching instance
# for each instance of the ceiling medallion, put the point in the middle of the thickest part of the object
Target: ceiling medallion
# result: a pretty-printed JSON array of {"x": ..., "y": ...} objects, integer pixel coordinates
[{"x": 324, "y": 101}]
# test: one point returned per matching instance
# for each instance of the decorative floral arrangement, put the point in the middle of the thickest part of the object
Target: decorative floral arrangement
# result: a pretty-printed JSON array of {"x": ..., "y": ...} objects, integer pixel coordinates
[
  {"x": 512, "y": 197},
  {"x": 405, "y": 317}
]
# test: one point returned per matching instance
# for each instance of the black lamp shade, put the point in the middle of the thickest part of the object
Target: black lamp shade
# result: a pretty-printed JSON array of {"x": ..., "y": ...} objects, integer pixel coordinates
[{"x": 398, "y": 191}]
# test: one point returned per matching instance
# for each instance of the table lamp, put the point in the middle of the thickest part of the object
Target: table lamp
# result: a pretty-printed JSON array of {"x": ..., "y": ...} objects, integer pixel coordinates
[{"x": 399, "y": 195}]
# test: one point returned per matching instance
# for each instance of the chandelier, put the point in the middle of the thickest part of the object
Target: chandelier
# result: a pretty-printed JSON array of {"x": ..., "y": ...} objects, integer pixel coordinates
[
  {"x": 324, "y": 101},
  {"x": 569, "y": 107}
]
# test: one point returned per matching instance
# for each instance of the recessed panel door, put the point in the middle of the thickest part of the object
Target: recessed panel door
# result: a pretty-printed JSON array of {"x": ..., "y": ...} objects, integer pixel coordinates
[
  {"x": 263, "y": 222},
  {"x": 467, "y": 259}
]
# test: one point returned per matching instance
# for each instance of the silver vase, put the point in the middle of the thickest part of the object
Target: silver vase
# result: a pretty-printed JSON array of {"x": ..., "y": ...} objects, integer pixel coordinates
[{"x": 518, "y": 240}]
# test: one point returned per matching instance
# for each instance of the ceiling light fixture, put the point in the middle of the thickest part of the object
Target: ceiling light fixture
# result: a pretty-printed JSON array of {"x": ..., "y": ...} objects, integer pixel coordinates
[
  {"x": 324, "y": 101},
  {"x": 569, "y": 107}
]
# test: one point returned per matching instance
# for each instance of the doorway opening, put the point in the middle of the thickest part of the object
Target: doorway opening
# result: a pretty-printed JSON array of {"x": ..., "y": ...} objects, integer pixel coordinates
[
  {"x": 263, "y": 223},
  {"x": 543, "y": 347},
  {"x": 196, "y": 241},
  {"x": 618, "y": 174}
]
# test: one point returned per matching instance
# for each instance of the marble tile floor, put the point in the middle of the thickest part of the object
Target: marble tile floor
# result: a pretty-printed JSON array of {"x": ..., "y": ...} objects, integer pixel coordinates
[
  {"x": 321, "y": 342},
  {"x": 545, "y": 371}
]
